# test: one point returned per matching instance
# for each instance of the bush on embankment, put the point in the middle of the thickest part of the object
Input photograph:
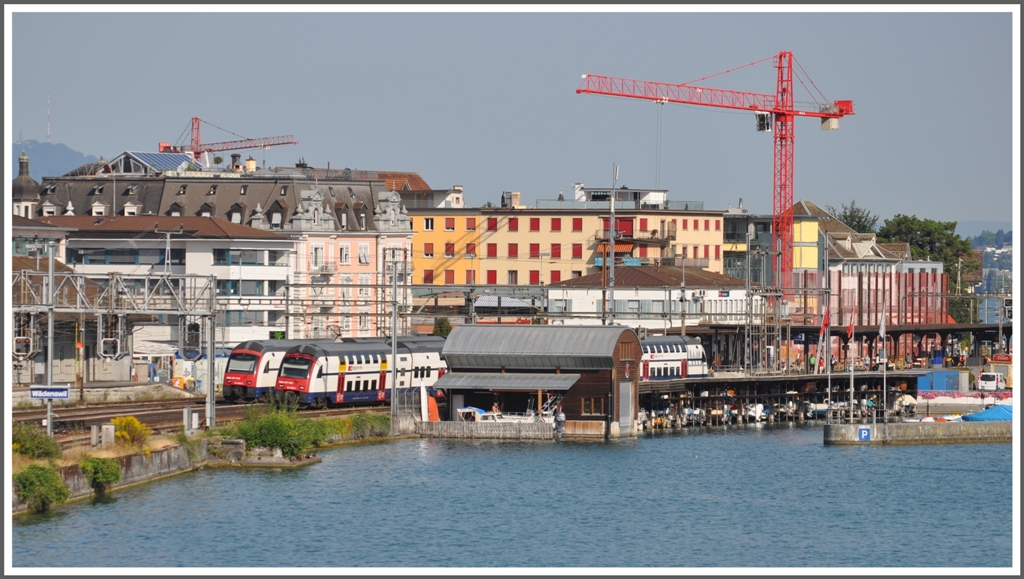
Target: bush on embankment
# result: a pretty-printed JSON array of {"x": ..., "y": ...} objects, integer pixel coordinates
[
  {"x": 41, "y": 487},
  {"x": 101, "y": 472},
  {"x": 272, "y": 425},
  {"x": 27, "y": 440}
]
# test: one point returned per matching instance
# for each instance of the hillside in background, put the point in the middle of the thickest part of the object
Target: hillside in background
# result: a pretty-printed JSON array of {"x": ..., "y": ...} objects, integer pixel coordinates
[{"x": 47, "y": 159}]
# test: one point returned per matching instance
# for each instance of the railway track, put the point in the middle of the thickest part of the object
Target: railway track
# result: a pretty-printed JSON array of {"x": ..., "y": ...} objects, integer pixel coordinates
[{"x": 71, "y": 425}]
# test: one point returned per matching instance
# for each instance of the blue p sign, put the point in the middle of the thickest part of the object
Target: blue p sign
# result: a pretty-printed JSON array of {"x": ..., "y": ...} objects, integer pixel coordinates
[{"x": 864, "y": 434}]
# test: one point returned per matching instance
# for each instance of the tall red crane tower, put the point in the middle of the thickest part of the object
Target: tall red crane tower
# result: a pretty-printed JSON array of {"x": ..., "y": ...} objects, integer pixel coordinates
[
  {"x": 198, "y": 147},
  {"x": 780, "y": 105}
]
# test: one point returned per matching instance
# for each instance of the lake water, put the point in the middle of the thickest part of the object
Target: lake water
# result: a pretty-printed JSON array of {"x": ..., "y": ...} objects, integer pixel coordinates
[{"x": 748, "y": 496}]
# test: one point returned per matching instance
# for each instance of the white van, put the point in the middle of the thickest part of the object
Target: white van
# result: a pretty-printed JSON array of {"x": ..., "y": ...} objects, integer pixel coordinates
[{"x": 991, "y": 381}]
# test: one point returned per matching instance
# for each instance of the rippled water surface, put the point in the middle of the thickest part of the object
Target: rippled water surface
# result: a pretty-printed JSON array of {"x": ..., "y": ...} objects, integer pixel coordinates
[{"x": 753, "y": 496}]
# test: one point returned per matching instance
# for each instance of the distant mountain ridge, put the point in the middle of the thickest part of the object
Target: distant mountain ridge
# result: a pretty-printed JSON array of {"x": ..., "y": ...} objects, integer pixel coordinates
[
  {"x": 975, "y": 228},
  {"x": 47, "y": 159}
]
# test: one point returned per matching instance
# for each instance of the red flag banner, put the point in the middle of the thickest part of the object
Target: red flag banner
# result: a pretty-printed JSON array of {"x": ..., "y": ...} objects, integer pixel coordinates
[
  {"x": 825, "y": 322},
  {"x": 849, "y": 331}
]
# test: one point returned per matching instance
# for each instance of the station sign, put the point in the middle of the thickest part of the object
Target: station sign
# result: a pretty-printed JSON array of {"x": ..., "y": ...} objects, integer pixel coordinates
[{"x": 55, "y": 391}]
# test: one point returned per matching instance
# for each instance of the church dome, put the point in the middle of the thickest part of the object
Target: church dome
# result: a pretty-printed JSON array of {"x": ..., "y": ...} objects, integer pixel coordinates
[{"x": 24, "y": 187}]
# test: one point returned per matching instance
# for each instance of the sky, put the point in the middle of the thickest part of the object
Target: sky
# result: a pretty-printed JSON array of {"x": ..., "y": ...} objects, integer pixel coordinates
[{"x": 487, "y": 100}]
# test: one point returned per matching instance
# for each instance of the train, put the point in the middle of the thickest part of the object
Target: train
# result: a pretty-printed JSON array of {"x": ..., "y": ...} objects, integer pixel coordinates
[
  {"x": 252, "y": 367},
  {"x": 358, "y": 371},
  {"x": 672, "y": 358}
]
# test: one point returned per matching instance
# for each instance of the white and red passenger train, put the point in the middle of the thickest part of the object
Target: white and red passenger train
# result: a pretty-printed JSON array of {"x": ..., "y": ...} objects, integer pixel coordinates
[
  {"x": 672, "y": 358},
  {"x": 322, "y": 374}
]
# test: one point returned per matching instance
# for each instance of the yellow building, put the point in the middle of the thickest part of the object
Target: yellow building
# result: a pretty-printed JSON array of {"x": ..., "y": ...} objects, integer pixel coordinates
[{"x": 445, "y": 246}]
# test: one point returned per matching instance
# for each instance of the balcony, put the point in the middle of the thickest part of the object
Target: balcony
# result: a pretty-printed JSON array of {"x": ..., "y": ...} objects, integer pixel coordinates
[
  {"x": 627, "y": 261},
  {"x": 653, "y": 236}
]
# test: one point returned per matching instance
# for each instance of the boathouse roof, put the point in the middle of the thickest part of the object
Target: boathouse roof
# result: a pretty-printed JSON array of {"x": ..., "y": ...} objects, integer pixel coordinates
[{"x": 533, "y": 347}]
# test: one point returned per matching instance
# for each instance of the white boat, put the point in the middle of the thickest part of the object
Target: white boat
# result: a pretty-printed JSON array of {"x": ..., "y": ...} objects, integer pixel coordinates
[{"x": 474, "y": 414}]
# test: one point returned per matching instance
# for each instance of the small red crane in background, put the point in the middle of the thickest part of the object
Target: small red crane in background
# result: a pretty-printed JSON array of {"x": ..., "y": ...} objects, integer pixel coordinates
[
  {"x": 780, "y": 105},
  {"x": 198, "y": 147}
]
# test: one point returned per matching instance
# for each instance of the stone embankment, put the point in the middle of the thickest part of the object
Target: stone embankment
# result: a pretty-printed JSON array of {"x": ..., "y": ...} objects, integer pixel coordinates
[{"x": 919, "y": 433}]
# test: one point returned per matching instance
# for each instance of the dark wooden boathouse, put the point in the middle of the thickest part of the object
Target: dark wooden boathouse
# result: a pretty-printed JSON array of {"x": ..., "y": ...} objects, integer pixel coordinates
[{"x": 592, "y": 371}]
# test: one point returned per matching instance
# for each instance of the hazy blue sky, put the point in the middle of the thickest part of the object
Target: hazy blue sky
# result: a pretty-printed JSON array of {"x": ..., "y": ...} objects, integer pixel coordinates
[{"x": 488, "y": 100}]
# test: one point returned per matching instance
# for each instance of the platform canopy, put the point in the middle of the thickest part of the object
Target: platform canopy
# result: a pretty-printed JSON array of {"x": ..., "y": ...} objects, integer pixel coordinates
[
  {"x": 496, "y": 381},
  {"x": 532, "y": 347}
]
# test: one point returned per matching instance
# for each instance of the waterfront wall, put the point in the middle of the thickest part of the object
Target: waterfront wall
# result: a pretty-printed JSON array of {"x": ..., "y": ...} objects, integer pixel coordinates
[
  {"x": 919, "y": 433},
  {"x": 512, "y": 430},
  {"x": 135, "y": 469}
]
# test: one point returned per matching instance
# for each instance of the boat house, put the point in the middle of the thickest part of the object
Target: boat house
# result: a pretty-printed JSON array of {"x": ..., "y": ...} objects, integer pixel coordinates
[{"x": 591, "y": 372}]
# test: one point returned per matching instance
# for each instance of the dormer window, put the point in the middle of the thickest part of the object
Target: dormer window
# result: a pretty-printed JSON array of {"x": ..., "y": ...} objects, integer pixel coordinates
[
  {"x": 181, "y": 190},
  {"x": 49, "y": 209},
  {"x": 284, "y": 190},
  {"x": 131, "y": 210},
  {"x": 275, "y": 220},
  {"x": 98, "y": 210},
  {"x": 96, "y": 190},
  {"x": 331, "y": 189},
  {"x": 212, "y": 191},
  {"x": 130, "y": 190},
  {"x": 49, "y": 189},
  {"x": 236, "y": 217},
  {"x": 362, "y": 221},
  {"x": 344, "y": 219},
  {"x": 245, "y": 189},
  {"x": 316, "y": 217}
]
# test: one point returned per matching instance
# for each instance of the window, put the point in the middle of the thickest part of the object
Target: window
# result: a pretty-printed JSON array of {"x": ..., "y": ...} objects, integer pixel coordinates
[
  {"x": 513, "y": 224},
  {"x": 364, "y": 254},
  {"x": 284, "y": 190},
  {"x": 97, "y": 210},
  {"x": 245, "y": 189},
  {"x": 344, "y": 254},
  {"x": 428, "y": 250},
  {"x": 121, "y": 256},
  {"x": 593, "y": 405},
  {"x": 449, "y": 250},
  {"x": 707, "y": 225},
  {"x": 471, "y": 249},
  {"x": 131, "y": 211},
  {"x": 470, "y": 277},
  {"x": 534, "y": 277},
  {"x": 492, "y": 250},
  {"x": 492, "y": 224},
  {"x": 364, "y": 324},
  {"x": 212, "y": 191},
  {"x": 449, "y": 224},
  {"x": 236, "y": 217},
  {"x": 49, "y": 211},
  {"x": 556, "y": 251},
  {"x": 556, "y": 276},
  {"x": 577, "y": 251},
  {"x": 182, "y": 189},
  {"x": 707, "y": 249},
  {"x": 428, "y": 276},
  {"x": 718, "y": 224},
  {"x": 577, "y": 224},
  {"x": 556, "y": 224},
  {"x": 682, "y": 251},
  {"x": 576, "y": 274},
  {"x": 535, "y": 224},
  {"x": 317, "y": 259},
  {"x": 513, "y": 277},
  {"x": 227, "y": 287},
  {"x": 428, "y": 224},
  {"x": 685, "y": 223},
  {"x": 471, "y": 224},
  {"x": 252, "y": 287},
  {"x": 513, "y": 251},
  {"x": 534, "y": 250},
  {"x": 643, "y": 251},
  {"x": 492, "y": 277},
  {"x": 275, "y": 220},
  {"x": 449, "y": 276},
  {"x": 718, "y": 252},
  {"x": 643, "y": 224}
]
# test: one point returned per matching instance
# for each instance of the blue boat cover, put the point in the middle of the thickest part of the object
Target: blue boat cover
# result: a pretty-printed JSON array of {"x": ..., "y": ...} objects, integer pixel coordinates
[
  {"x": 997, "y": 412},
  {"x": 474, "y": 409}
]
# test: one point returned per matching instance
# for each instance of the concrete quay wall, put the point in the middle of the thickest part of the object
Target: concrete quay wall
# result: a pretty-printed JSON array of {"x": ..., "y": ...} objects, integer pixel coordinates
[
  {"x": 919, "y": 433},
  {"x": 135, "y": 469}
]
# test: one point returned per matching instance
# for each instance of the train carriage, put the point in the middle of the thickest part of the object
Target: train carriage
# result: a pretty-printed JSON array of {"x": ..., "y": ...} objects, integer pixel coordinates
[
  {"x": 672, "y": 358},
  {"x": 321, "y": 375},
  {"x": 252, "y": 367}
]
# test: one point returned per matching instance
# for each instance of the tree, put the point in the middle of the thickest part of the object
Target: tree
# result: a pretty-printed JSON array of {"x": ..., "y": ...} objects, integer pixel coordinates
[
  {"x": 937, "y": 241},
  {"x": 442, "y": 327},
  {"x": 218, "y": 160},
  {"x": 856, "y": 218}
]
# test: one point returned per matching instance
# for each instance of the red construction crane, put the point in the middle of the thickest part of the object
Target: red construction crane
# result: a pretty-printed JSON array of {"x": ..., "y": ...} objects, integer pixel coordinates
[
  {"x": 198, "y": 147},
  {"x": 780, "y": 105}
]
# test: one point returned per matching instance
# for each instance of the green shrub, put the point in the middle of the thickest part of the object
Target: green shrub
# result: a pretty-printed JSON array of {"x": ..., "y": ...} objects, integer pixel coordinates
[
  {"x": 27, "y": 440},
  {"x": 359, "y": 426},
  {"x": 129, "y": 430},
  {"x": 101, "y": 472},
  {"x": 41, "y": 487}
]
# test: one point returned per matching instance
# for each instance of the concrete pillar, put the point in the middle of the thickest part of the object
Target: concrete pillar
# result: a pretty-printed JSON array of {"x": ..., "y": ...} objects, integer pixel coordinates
[{"x": 94, "y": 435}]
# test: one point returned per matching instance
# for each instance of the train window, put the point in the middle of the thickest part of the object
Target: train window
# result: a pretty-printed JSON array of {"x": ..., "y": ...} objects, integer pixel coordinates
[
  {"x": 266, "y": 367},
  {"x": 403, "y": 359},
  {"x": 373, "y": 385},
  {"x": 320, "y": 372}
]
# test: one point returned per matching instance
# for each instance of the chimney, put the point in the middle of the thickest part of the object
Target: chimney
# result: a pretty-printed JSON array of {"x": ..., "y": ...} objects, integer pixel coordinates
[
  {"x": 250, "y": 165},
  {"x": 235, "y": 158},
  {"x": 457, "y": 188},
  {"x": 515, "y": 199}
]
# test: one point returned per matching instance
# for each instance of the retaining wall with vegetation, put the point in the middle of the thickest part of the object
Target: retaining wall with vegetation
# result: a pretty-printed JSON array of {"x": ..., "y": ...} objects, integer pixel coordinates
[
  {"x": 503, "y": 430},
  {"x": 135, "y": 469}
]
